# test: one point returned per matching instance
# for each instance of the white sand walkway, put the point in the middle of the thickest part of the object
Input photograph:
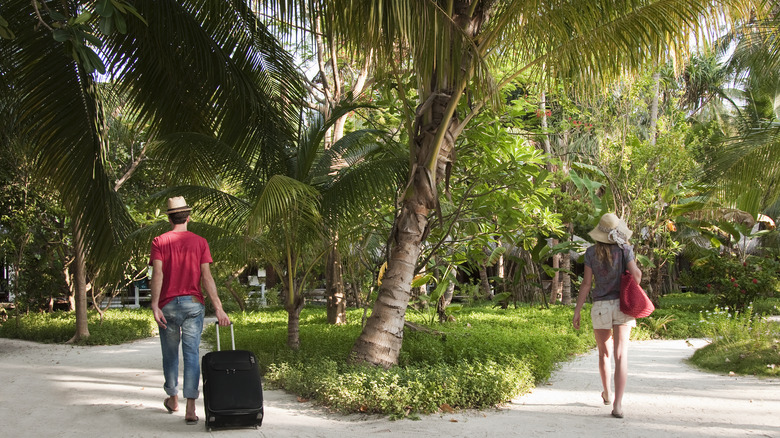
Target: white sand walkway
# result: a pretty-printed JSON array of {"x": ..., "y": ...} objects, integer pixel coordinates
[{"x": 116, "y": 391}]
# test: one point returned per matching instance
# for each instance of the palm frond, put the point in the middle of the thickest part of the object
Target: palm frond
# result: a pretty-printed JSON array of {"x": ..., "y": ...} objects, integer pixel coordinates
[
  {"x": 207, "y": 67},
  {"x": 281, "y": 197},
  {"x": 61, "y": 119}
]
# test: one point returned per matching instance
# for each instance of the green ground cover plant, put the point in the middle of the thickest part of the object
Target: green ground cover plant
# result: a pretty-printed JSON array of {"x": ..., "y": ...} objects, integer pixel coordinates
[
  {"x": 118, "y": 326},
  {"x": 742, "y": 343},
  {"x": 485, "y": 357}
]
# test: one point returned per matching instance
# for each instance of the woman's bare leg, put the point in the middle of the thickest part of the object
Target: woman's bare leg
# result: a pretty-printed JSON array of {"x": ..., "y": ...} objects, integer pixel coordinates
[
  {"x": 604, "y": 343},
  {"x": 622, "y": 334}
]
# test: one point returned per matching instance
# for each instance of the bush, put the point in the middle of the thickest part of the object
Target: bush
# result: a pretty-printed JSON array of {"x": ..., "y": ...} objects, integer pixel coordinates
[
  {"x": 487, "y": 357},
  {"x": 119, "y": 326},
  {"x": 735, "y": 283},
  {"x": 742, "y": 343}
]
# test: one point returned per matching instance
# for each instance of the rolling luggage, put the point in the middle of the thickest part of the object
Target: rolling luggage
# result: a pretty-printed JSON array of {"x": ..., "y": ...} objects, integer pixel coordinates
[{"x": 232, "y": 391}]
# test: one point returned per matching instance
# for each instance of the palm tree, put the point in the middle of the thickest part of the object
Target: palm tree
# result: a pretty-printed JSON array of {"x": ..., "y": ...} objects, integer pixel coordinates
[
  {"x": 745, "y": 171},
  {"x": 279, "y": 214},
  {"x": 186, "y": 65},
  {"x": 450, "y": 45}
]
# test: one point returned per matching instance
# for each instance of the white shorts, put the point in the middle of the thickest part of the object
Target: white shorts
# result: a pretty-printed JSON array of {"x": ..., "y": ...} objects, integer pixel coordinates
[{"x": 606, "y": 313}]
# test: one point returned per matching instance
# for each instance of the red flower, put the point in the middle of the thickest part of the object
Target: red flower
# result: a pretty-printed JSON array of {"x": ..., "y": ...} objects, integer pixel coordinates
[
  {"x": 743, "y": 291},
  {"x": 744, "y": 263},
  {"x": 709, "y": 286},
  {"x": 755, "y": 281}
]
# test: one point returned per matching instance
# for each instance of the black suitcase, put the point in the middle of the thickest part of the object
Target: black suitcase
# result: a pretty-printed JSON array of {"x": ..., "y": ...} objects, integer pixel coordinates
[{"x": 232, "y": 391}]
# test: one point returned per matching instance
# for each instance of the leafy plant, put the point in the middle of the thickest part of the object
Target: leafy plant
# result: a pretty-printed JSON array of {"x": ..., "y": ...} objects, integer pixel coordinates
[
  {"x": 735, "y": 283},
  {"x": 658, "y": 325}
]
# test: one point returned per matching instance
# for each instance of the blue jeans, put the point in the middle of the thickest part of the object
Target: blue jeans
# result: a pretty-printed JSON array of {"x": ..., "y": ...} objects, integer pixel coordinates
[{"x": 184, "y": 316}]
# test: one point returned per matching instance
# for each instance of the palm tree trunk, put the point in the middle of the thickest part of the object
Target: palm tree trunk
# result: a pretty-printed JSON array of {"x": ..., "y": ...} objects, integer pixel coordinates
[
  {"x": 80, "y": 281},
  {"x": 293, "y": 328},
  {"x": 382, "y": 337},
  {"x": 434, "y": 132},
  {"x": 334, "y": 288}
]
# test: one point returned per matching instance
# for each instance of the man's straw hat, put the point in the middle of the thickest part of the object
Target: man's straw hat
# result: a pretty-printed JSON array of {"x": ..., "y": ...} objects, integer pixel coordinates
[
  {"x": 611, "y": 229},
  {"x": 177, "y": 205}
]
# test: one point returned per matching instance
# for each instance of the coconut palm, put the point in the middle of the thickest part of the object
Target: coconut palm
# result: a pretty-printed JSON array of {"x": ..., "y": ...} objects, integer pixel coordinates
[
  {"x": 279, "y": 214},
  {"x": 450, "y": 46},
  {"x": 185, "y": 65},
  {"x": 746, "y": 170}
]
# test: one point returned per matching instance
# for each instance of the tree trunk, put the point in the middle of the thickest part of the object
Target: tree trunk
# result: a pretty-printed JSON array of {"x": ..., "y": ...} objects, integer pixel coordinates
[
  {"x": 566, "y": 267},
  {"x": 334, "y": 288},
  {"x": 229, "y": 286},
  {"x": 381, "y": 339},
  {"x": 654, "y": 108},
  {"x": 293, "y": 327},
  {"x": 555, "y": 283},
  {"x": 444, "y": 301},
  {"x": 80, "y": 282},
  {"x": 487, "y": 291},
  {"x": 433, "y": 137}
]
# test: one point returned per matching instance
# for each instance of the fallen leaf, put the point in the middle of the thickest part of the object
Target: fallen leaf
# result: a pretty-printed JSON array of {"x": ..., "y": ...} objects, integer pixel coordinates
[
  {"x": 447, "y": 408},
  {"x": 302, "y": 400},
  {"x": 452, "y": 420}
]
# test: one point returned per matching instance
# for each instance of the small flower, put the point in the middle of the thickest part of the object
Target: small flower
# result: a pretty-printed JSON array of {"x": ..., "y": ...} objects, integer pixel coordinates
[
  {"x": 744, "y": 263},
  {"x": 755, "y": 281},
  {"x": 709, "y": 286},
  {"x": 733, "y": 280},
  {"x": 743, "y": 292}
]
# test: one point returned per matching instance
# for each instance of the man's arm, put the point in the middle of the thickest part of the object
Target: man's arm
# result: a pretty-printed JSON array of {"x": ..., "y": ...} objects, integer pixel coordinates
[
  {"x": 211, "y": 290},
  {"x": 156, "y": 284}
]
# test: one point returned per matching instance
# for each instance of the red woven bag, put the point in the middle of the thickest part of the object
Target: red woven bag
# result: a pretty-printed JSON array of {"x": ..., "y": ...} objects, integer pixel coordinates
[{"x": 633, "y": 300}]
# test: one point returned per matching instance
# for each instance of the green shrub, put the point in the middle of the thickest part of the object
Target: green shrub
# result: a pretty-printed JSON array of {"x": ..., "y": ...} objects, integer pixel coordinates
[
  {"x": 733, "y": 282},
  {"x": 118, "y": 326},
  {"x": 485, "y": 358},
  {"x": 742, "y": 343}
]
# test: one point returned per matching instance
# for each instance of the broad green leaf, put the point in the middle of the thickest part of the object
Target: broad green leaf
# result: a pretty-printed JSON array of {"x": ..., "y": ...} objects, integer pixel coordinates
[
  {"x": 104, "y": 8},
  {"x": 82, "y": 18},
  {"x": 645, "y": 261},
  {"x": 120, "y": 23},
  {"x": 422, "y": 280},
  {"x": 106, "y": 25},
  {"x": 61, "y": 35}
]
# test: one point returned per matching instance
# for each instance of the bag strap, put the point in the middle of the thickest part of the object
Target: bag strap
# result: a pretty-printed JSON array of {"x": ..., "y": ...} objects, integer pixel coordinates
[{"x": 623, "y": 259}]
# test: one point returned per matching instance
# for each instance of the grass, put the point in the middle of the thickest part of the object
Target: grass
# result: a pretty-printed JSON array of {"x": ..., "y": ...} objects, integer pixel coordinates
[
  {"x": 743, "y": 343},
  {"x": 484, "y": 358}
]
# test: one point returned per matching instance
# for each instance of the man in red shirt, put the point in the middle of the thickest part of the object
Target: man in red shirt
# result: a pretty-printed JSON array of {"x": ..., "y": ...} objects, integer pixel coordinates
[{"x": 180, "y": 263}]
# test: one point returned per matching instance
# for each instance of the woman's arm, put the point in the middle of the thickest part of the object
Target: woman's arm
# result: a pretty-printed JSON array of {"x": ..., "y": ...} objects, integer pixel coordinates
[
  {"x": 634, "y": 270},
  {"x": 587, "y": 281}
]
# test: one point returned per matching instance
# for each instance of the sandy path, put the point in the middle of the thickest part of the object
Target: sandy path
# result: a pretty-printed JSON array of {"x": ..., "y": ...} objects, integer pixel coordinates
[{"x": 116, "y": 391}]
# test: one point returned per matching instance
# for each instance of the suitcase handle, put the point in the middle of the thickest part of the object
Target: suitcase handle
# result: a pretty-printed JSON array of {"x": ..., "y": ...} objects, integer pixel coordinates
[{"x": 232, "y": 336}]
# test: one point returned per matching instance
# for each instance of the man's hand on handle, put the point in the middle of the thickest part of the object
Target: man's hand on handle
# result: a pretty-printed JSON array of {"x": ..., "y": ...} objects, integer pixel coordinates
[{"x": 222, "y": 318}]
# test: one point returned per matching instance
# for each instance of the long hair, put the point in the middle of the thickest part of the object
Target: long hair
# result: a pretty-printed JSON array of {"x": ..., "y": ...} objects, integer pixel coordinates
[{"x": 603, "y": 253}]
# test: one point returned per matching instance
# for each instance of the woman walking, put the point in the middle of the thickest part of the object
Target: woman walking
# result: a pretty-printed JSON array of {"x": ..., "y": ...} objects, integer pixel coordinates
[{"x": 604, "y": 264}]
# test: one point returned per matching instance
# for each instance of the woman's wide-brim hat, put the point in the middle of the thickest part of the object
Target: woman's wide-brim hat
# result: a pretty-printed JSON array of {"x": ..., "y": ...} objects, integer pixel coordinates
[
  {"x": 177, "y": 205},
  {"x": 611, "y": 229}
]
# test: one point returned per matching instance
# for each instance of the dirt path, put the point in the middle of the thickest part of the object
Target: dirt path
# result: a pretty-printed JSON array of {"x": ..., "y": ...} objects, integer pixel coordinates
[{"x": 116, "y": 391}]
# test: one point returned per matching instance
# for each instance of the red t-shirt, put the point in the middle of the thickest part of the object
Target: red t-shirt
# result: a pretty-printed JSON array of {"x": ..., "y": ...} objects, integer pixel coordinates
[{"x": 181, "y": 253}]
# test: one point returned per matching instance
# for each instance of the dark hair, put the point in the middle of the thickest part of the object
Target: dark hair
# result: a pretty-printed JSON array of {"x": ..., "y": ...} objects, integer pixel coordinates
[{"x": 179, "y": 217}]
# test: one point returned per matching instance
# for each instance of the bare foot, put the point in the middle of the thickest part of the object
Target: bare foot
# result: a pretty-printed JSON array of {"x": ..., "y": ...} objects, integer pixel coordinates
[
  {"x": 190, "y": 417},
  {"x": 171, "y": 404}
]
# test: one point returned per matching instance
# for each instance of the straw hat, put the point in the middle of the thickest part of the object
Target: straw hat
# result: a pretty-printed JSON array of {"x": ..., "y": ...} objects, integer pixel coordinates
[
  {"x": 611, "y": 229},
  {"x": 177, "y": 204}
]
